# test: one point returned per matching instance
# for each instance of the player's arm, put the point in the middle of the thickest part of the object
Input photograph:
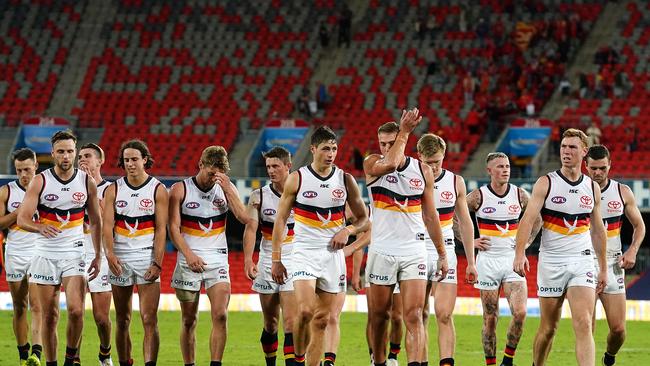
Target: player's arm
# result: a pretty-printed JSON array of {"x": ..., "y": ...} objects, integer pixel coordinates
[
  {"x": 28, "y": 207},
  {"x": 176, "y": 195},
  {"x": 250, "y": 233},
  {"x": 432, "y": 220},
  {"x": 634, "y": 216},
  {"x": 161, "y": 213},
  {"x": 232, "y": 196},
  {"x": 524, "y": 197},
  {"x": 466, "y": 228},
  {"x": 599, "y": 239},
  {"x": 108, "y": 225},
  {"x": 375, "y": 165},
  {"x": 359, "y": 213},
  {"x": 474, "y": 200},
  {"x": 95, "y": 218},
  {"x": 278, "y": 271},
  {"x": 6, "y": 219},
  {"x": 533, "y": 210}
]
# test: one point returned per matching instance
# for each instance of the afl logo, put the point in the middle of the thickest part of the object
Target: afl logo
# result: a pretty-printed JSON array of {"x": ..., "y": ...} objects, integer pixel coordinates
[
  {"x": 219, "y": 202},
  {"x": 620, "y": 280},
  {"x": 342, "y": 277},
  {"x": 192, "y": 205},
  {"x": 422, "y": 266},
  {"x": 590, "y": 275},
  {"x": 223, "y": 271},
  {"x": 146, "y": 203},
  {"x": 78, "y": 196},
  {"x": 415, "y": 182},
  {"x": 489, "y": 210},
  {"x": 391, "y": 179},
  {"x": 614, "y": 205},
  {"x": 514, "y": 208},
  {"x": 269, "y": 212},
  {"x": 558, "y": 200},
  {"x": 310, "y": 194},
  {"x": 15, "y": 204},
  {"x": 338, "y": 193},
  {"x": 121, "y": 204},
  {"x": 446, "y": 195},
  {"x": 586, "y": 200},
  {"x": 51, "y": 197}
]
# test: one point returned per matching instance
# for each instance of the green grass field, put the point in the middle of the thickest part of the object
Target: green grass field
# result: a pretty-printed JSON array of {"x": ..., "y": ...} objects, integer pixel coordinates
[{"x": 244, "y": 328}]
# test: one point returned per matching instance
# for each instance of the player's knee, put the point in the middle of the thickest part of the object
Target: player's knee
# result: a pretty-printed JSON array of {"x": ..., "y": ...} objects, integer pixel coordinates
[
  {"x": 149, "y": 319},
  {"x": 425, "y": 314},
  {"x": 271, "y": 323},
  {"x": 413, "y": 316},
  {"x": 518, "y": 316},
  {"x": 320, "y": 320},
  {"x": 547, "y": 331},
  {"x": 582, "y": 324},
  {"x": 220, "y": 316},
  {"x": 20, "y": 307},
  {"x": 189, "y": 322},
  {"x": 123, "y": 319},
  {"x": 75, "y": 313},
  {"x": 51, "y": 316},
  {"x": 444, "y": 317},
  {"x": 618, "y": 331},
  {"x": 102, "y": 320},
  {"x": 490, "y": 321},
  {"x": 305, "y": 314}
]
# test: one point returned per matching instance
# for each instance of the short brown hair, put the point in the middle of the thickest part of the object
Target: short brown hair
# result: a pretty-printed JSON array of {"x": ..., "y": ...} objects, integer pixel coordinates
[
  {"x": 23, "y": 154},
  {"x": 322, "y": 134},
  {"x": 63, "y": 135},
  {"x": 137, "y": 145},
  {"x": 388, "y": 127},
  {"x": 574, "y": 132},
  {"x": 98, "y": 150},
  {"x": 598, "y": 152},
  {"x": 430, "y": 144},
  {"x": 278, "y": 152},
  {"x": 495, "y": 155},
  {"x": 215, "y": 157}
]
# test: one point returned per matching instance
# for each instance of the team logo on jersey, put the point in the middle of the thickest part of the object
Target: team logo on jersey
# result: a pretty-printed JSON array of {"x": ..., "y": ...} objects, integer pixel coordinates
[
  {"x": 325, "y": 221},
  {"x": 121, "y": 204},
  {"x": 206, "y": 229},
  {"x": 489, "y": 210},
  {"x": 391, "y": 179},
  {"x": 590, "y": 275},
  {"x": 15, "y": 204},
  {"x": 51, "y": 197},
  {"x": 586, "y": 201},
  {"x": 614, "y": 205},
  {"x": 401, "y": 206},
  {"x": 78, "y": 197},
  {"x": 620, "y": 280},
  {"x": 146, "y": 202},
  {"x": 219, "y": 202},
  {"x": 309, "y": 194},
  {"x": 514, "y": 208},
  {"x": 132, "y": 229},
  {"x": 192, "y": 205},
  {"x": 558, "y": 200},
  {"x": 269, "y": 211},
  {"x": 422, "y": 266},
  {"x": 338, "y": 193},
  {"x": 571, "y": 227},
  {"x": 503, "y": 230},
  {"x": 63, "y": 221},
  {"x": 342, "y": 277},
  {"x": 223, "y": 271},
  {"x": 415, "y": 182},
  {"x": 446, "y": 196}
]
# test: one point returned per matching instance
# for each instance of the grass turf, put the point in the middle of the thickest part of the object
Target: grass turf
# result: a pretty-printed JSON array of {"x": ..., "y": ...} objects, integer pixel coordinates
[{"x": 243, "y": 346}]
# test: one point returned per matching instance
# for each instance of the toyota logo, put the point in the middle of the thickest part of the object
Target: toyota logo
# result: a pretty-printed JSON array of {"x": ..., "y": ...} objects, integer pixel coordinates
[
  {"x": 146, "y": 202},
  {"x": 586, "y": 200},
  {"x": 514, "y": 208},
  {"x": 614, "y": 205},
  {"x": 78, "y": 196},
  {"x": 219, "y": 202},
  {"x": 338, "y": 193},
  {"x": 415, "y": 182},
  {"x": 446, "y": 195}
]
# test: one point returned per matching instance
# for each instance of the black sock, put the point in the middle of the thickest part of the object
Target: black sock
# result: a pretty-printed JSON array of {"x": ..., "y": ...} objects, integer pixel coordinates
[
  {"x": 330, "y": 359},
  {"x": 609, "y": 359},
  {"x": 381, "y": 364},
  {"x": 126, "y": 363},
  {"x": 215, "y": 363},
  {"x": 23, "y": 351},
  {"x": 150, "y": 363},
  {"x": 104, "y": 352},
  {"x": 394, "y": 350},
  {"x": 447, "y": 362},
  {"x": 189, "y": 364},
  {"x": 70, "y": 354},
  {"x": 424, "y": 363},
  {"x": 508, "y": 355},
  {"x": 289, "y": 352},
  {"x": 269, "y": 346},
  {"x": 51, "y": 363},
  {"x": 413, "y": 363},
  {"x": 37, "y": 350}
]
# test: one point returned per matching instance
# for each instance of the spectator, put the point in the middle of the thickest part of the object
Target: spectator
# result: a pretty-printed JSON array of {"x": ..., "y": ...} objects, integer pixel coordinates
[
  {"x": 482, "y": 30},
  {"x": 324, "y": 35},
  {"x": 357, "y": 158},
  {"x": 469, "y": 86},
  {"x": 432, "y": 61},
  {"x": 584, "y": 85},
  {"x": 431, "y": 26},
  {"x": 345, "y": 26},
  {"x": 565, "y": 86},
  {"x": 323, "y": 98},
  {"x": 593, "y": 134},
  {"x": 302, "y": 104}
]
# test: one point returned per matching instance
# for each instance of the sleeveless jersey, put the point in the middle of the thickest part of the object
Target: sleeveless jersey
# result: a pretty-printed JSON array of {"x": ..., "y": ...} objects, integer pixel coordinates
[
  {"x": 396, "y": 206},
  {"x": 319, "y": 209},
  {"x": 62, "y": 204},
  {"x": 445, "y": 199},
  {"x": 88, "y": 243},
  {"x": 566, "y": 215},
  {"x": 19, "y": 242},
  {"x": 203, "y": 222},
  {"x": 612, "y": 207},
  {"x": 269, "y": 201},
  {"x": 498, "y": 218},
  {"x": 135, "y": 219}
]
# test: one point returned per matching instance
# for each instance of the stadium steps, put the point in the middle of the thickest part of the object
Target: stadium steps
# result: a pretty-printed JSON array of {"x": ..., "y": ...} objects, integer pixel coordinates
[
  {"x": 602, "y": 33},
  {"x": 239, "y": 156},
  {"x": 475, "y": 167},
  {"x": 7, "y": 137}
]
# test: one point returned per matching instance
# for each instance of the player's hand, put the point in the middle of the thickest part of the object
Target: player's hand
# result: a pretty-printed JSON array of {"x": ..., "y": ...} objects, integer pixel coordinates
[
  {"x": 95, "y": 267},
  {"x": 48, "y": 231},
  {"x": 482, "y": 243},
  {"x": 195, "y": 263},
  {"x": 601, "y": 281},
  {"x": 348, "y": 250},
  {"x": 250, "y": 269},
  {"x": 442, "y": 268},
  {"x": 340, "y": 239},
  {"x": 520, "y": 265},
  {"x": 471, "y": 274},
  {"x": 84, "y": 168},
  {"x": 355, "y": 282},
  {"x": 114, "y": 265},
  {"x": 152, "y": 273},
  {"x": 223, "y": 181},
  {"x": 628, "y": 260},
  {"x": 409, "y": 120},
  {"x": 278, "y": 272}
]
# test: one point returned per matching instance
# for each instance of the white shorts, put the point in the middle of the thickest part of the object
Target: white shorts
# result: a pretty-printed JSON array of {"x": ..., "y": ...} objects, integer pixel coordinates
[
  {"x": 554, "y": 279},
  {"x": 17, "y": 267},
  {"x": 494, "y": 270},
  {"x": 325, "y": 266},
  {"x": 264, "y": 284},
  {"x": 45, "y": 271},
  {"x": 615, "y": 276},
  {"x": 132, "y": 273},
  {"x": 100, "y": 283},
  {"x": 186, "y": 279},
  {"x": 388, "y": 270},
  {"x": 396, "y": 289},
  {"x": 452, "y": 263}
]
